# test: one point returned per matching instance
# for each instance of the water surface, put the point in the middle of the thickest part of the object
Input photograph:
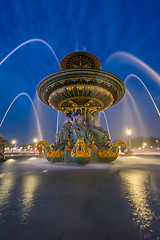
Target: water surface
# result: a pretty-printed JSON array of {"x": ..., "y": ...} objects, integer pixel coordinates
[{"x": 39, "y": 200}]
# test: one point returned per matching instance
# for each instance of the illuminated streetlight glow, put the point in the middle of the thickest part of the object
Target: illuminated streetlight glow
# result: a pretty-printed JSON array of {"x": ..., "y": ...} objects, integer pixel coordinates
[
  {"x": 35, "y": 140},
  {"x": 128, "y": 131},
  {"x": 144, "y": 145},
  {"x": 13, "y": 142}
]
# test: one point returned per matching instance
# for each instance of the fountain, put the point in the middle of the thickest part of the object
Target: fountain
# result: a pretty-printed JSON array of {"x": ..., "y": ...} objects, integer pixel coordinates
[{"x": 81, "y": 90}]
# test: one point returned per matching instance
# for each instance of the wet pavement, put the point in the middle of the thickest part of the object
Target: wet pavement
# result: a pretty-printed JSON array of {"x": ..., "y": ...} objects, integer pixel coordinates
[{"x": 120, "y": 201}]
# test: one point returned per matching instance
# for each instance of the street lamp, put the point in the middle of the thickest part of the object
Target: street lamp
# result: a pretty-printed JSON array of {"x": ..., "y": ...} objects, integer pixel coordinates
[
  {"x": 13, "y": 143},
  {"x": 144, "y": 145},
  {"x": 128, "y": 132},
  {"x": 35, "y": 140}
]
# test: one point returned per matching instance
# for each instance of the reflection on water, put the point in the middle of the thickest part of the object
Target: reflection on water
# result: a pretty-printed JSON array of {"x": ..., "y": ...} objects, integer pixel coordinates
[
  {"x": 138, "y": 196},
  {"x": 78, "y": 195},
  {"x": 7, "y": 181},
  {"x": 29, "y": 186},
  {"x": 6, "y": 185},
  {"x": 10, "y": 183}
]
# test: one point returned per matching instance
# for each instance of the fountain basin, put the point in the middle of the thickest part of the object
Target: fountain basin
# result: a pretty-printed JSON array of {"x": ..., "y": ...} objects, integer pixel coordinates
[{"x": 76, "y": 87}]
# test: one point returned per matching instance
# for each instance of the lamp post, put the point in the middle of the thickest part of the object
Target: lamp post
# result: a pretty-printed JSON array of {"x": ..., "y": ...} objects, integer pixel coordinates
[
  {"x": 13, "y": 143},
  {"x": 35, "y": 140},
  {"x": 144, "y": 145},
  {"x": 128, "y": 131}
]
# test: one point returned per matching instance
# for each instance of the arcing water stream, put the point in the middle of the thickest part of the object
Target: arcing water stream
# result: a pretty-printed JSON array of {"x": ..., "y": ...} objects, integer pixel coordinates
[
  {"x": 135, "y": 76},
  {"x": 137, "y": 62},
  {"x": 30, "y": 41},
  {"x": 4, "y": 59},
  {"x": 38, "y": 124}
]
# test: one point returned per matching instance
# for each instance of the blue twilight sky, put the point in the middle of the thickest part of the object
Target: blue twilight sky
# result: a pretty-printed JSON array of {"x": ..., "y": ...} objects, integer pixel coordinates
[{"x": 102, "y": 27}]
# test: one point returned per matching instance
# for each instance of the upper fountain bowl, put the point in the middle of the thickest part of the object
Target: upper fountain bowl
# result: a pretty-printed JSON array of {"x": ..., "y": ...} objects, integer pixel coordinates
[{"x": 81, "y": 83}]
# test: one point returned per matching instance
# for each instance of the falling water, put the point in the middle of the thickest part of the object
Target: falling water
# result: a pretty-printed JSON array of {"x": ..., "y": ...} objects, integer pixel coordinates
[
  {"x": 107, "y": 124},
  {"x": 57, "y": 127},
  {"x": 137, "y": 62},
  {"x": 29, "y": 41},
  {"x": 135, "y": 76},
  {"x": 99, "y": 116},
  {"x": 136, "y": 111},
  {"x": 38, "y": 124}
]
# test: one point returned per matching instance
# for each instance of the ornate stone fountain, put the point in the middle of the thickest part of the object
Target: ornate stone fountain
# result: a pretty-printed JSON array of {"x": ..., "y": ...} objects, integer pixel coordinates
[{"x": 81, "y": 90}]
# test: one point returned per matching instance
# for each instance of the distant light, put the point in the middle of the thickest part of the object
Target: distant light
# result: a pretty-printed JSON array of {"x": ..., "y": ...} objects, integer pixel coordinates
[
  {"x": 144, "y": 144},
  {"x": 35, "y": 140},
  {"x": 128, "y": 131},
  {"x": 13, "y": 142}
]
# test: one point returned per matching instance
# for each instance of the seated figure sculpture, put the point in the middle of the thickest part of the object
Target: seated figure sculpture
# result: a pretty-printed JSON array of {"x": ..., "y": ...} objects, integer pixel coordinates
[
  {"x": 100, "y": 136},
  {"x": 79, "y": 128},
  {"x": 64, "y": 134},
  {"x": 76, "y": 127}
]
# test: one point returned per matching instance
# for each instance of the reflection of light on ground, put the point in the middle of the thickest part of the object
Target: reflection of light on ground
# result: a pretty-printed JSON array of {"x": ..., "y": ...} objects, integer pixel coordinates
[
  {"x": 137, "y": 195},
  {"x": 7, "y": 182},
  {"x": 29, "y": 187},
  {"x": 2, "y": 175},
  {"x": 6, "y": 185},
  {"x": 10, "y": 161},
  {"x": 32, "y": 158}
]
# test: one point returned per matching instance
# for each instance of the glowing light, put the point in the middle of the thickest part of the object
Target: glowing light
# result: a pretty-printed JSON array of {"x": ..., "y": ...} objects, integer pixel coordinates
[
  {"x": 128, "y": 131},
  {"x": 35, "y": 140},
  {"x": 13, "y": 142}
]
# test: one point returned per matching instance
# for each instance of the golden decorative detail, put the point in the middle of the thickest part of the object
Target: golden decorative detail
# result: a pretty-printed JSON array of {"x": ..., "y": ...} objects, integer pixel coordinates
[
  {"x": 69, "y": 145},
  {"x": 80, "y": 59},
  {"x": 99, "y": 95},
  {"x": 112, "y": 151},
  {"x": 48, "y": 151},
  {"x": 81, "y": 100},
  {"x": 58, "y": 154},
  {"x": 92, "y": 145},
  {"x": 80, "y": 150},
  {"x": 106, "y": 153},
  {"x": 74, "y": 105}
]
